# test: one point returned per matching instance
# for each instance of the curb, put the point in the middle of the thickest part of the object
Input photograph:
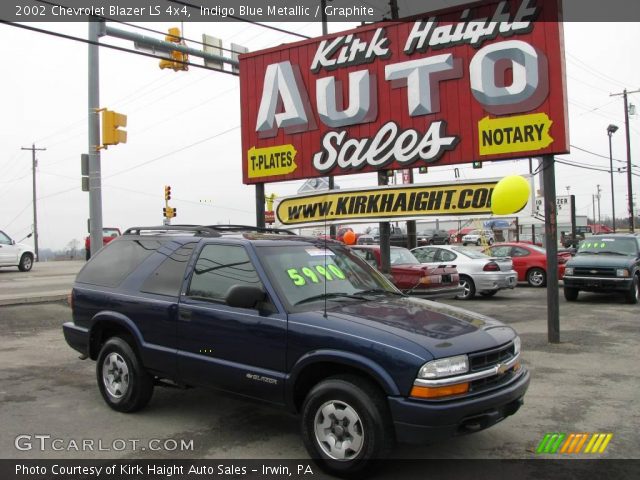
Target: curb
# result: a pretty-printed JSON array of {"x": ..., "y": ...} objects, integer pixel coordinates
[{"x": 31, "y": 300}]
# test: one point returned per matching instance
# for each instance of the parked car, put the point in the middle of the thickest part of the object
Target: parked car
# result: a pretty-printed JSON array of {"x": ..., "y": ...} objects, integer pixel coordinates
[
  {"x": 108, "y": 234},
  {"x": 478, "y": 272},
  {"x": 605, "y": 263},
  {"x": 478, "y": 237},
  {"x": 530, "y": 261},
  {"x": 14, "y": 254},
  {"x": 298, "y": 322},
  {"x": 433, "y": 237},
  {"x": 412, "y": 277}
]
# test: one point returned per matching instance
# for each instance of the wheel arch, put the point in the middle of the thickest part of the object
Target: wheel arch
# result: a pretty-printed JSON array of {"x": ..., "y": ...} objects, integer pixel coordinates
[
  {"x": 320, "y": 364},
  {"x": 109, "y": 324}
]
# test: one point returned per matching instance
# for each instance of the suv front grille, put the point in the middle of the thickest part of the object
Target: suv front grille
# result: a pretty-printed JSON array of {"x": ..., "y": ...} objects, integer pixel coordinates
[
  {"x": 489, "y": 358},
  {"x": 594, "y": 272}
]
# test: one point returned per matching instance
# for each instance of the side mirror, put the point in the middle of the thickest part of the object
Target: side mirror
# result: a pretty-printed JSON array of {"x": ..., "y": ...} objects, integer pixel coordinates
[
  {"x": 245, "y": 296},
  {"x": 13, "y": 242}
]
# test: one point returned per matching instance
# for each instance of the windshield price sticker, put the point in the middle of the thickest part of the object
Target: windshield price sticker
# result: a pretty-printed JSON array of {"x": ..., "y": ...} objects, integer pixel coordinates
[
  {"x": 594, "y": 245},
  {"x": 317, "y": 252},
  {"x": 300, "y": 276}
]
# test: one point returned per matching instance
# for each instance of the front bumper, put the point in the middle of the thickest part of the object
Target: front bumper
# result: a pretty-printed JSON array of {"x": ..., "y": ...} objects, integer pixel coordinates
[
  {"x": 495, "y": 280},
  {"x": 419, "y": 422},
  {"x": 76, "y": 337},
  {"x": 598, "y": 284}
]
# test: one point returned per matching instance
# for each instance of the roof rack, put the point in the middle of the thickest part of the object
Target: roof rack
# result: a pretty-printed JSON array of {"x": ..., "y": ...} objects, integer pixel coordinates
[
  {"x": 249, "y": 228},
  {"x": 196, "y": 229}
]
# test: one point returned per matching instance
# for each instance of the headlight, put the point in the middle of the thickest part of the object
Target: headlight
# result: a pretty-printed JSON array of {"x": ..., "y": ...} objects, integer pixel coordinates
[
  {"x": 444, "y": 367},
  {"x": 622, "y": 272},
  {"x": 516, "y": 346},
  {"x": 568, "y": 271}
]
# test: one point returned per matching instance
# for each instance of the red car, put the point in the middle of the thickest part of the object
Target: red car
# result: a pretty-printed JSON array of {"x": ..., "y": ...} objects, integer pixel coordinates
[
  {"x": 530, "y": 261},
  {"x": 410, "y": 276},
  {"x": 108, "y": 234}
]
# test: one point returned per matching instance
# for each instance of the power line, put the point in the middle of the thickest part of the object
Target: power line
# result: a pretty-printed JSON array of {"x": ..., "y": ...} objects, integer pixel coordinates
[
  {"x": 114, "y": 47},
  {"x": 173, "y": 152},
  {"x": 282, "y": 30},
  {"x": 601, "y": 156}
]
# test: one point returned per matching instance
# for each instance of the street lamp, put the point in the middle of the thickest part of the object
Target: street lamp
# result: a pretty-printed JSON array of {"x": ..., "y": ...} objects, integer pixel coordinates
[{"x": 611, "y": 129}]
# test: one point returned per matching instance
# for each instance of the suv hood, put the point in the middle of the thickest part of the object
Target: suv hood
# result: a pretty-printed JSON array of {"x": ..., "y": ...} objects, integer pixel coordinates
[
  {"x": 440, "y": 329},
  {"x": 600, "y": 260}
]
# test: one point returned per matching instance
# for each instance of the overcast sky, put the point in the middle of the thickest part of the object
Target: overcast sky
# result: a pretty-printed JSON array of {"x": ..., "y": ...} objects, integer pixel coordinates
[{"x": 184, "y": 129}]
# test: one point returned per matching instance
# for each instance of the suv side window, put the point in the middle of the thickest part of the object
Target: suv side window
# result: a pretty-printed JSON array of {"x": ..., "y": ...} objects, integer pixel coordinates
[
  {"x": 219, "y": 267},
  {"x": 111, "y": 265},
  {"x": 167, "y": 278}
]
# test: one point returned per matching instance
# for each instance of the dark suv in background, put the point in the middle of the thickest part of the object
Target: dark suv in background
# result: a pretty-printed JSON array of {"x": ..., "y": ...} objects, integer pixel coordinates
[
  {"x": 433, "y": 237},
  {"x": 605, "y": 263},
  {"x": 299, "y": 322}
]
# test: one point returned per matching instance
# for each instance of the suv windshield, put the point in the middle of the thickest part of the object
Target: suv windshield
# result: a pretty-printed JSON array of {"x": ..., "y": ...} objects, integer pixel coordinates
[
  {"x": 304, "y": 273},
  {"x": 597, "y": 245}
]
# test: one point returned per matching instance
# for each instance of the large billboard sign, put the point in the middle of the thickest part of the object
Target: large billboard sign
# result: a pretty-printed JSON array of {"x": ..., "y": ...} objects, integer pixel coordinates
[{"x": 481, "y": 83}]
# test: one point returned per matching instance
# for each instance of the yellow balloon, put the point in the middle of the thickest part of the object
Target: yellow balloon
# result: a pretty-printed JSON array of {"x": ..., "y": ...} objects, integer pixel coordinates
[{"x": 510, "y": 195}]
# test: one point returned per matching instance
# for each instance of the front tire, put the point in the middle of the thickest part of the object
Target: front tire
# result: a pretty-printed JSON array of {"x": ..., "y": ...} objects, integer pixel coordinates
[
  {"x": 26, "y": 262},
  {"x": 536, "y": 277},
  {"x": 633, "y": 295},
  {"x": 346, "y": 424},
  {"x": 122, "y": 380},
  {"x": 469, "y": 288},
  {"x": 571, "y": 294}
]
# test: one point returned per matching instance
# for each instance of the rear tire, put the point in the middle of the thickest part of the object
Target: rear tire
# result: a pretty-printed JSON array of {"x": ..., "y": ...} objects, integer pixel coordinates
[
  {"x": 571, "y": 294},
  {"x": 122, "y": 380},
  {"x": 633, "y": 295},
  {"x": 536, "y": 277},
  {"x": 469, "y": 288},
  {"x": 26, "y": 262},
  {"x": 346, "y": 424}
]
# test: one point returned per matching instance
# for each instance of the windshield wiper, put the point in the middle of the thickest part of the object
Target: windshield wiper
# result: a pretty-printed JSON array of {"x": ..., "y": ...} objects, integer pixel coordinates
[
  {"x": 379, "y": 290},
  {"x": 329, "y": 295}
]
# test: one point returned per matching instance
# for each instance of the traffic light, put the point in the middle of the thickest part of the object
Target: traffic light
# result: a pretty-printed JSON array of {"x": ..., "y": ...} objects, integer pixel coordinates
[
  {"x": 423, "y": 169},
  {"x": 169, "y": 212},
  {"x": 477, "y": 164},
  {"x": 177, "y": 58},
  {"x": 167, "y": 192},
  {"x": 111, "y": 123}
]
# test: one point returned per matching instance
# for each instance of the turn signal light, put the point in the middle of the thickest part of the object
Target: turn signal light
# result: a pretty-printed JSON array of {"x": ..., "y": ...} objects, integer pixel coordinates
[{"x": 436, "y": 392}]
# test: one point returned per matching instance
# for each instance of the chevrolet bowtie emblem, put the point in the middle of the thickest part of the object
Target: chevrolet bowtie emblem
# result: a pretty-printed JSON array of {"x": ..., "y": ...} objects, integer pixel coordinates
[{"x": 502, "y": 368}]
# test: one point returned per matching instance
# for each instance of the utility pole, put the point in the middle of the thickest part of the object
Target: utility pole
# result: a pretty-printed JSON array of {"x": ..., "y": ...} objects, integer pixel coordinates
[
  {"x": 34, "y": 164},
  {"x": 629, "y": 173},
  {"x": 599, "y": 221},
  {"x": 96, "y": 30},
  {"x": 611, "y": 129}
]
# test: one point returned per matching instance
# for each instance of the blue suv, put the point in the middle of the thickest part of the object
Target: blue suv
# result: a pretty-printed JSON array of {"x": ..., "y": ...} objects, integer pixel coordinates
[{"x": 300, "y": 322}]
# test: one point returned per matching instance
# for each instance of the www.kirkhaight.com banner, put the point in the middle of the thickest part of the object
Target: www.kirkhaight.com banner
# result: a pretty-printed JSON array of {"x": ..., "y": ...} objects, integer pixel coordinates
[{"x": 274, "y": 10}]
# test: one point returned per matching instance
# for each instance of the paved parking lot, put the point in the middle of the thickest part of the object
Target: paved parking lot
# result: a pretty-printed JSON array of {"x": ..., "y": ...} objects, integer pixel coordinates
[{"x": 587, "y": 383}]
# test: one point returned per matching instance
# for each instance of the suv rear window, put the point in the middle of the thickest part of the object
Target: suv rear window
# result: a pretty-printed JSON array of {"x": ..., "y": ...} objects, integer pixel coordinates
[
  {"x": 111, "y": 265},
  {"x": 167, "y": 278}
]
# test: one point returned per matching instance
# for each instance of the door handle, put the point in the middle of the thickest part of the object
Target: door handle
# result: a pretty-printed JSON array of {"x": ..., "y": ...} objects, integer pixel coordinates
[{"x": 185, "y": 315}]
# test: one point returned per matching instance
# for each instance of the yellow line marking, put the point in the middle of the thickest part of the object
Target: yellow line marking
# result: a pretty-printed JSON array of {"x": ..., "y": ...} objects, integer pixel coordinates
[
  {"x": 607, "y": 439},
  {"x": 598, "y": 442},
  {"x": 590, "y": 444}
]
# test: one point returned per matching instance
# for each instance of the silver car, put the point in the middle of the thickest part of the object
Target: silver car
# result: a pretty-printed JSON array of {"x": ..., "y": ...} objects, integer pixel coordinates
[
  {"x": 479, "y": 273},
  {"x": 479, "y": 237}
]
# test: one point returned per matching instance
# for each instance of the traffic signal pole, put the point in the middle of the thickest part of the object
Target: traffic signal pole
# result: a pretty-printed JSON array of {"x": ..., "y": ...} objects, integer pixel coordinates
[{"x": 96, "y": 30}]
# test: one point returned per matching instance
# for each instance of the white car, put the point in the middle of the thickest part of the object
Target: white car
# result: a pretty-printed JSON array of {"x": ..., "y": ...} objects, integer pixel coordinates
[
  {"x": 478, "y": 272},
  {"x": 478, "y": 237},
  {"x": 14, "y": 254}
]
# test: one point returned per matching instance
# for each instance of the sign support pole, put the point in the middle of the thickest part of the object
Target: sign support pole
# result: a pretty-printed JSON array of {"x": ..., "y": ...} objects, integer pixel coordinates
[
  {"x": 551, "y": 243},
  {"x": 260, "y": 223},
  {"x": 385, "y": 234}
]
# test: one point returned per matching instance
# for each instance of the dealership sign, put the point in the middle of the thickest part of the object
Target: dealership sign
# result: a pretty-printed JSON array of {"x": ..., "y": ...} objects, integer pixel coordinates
[
  {"x": 388, "y": 203},
  {"x": 484, "y": 83}
]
